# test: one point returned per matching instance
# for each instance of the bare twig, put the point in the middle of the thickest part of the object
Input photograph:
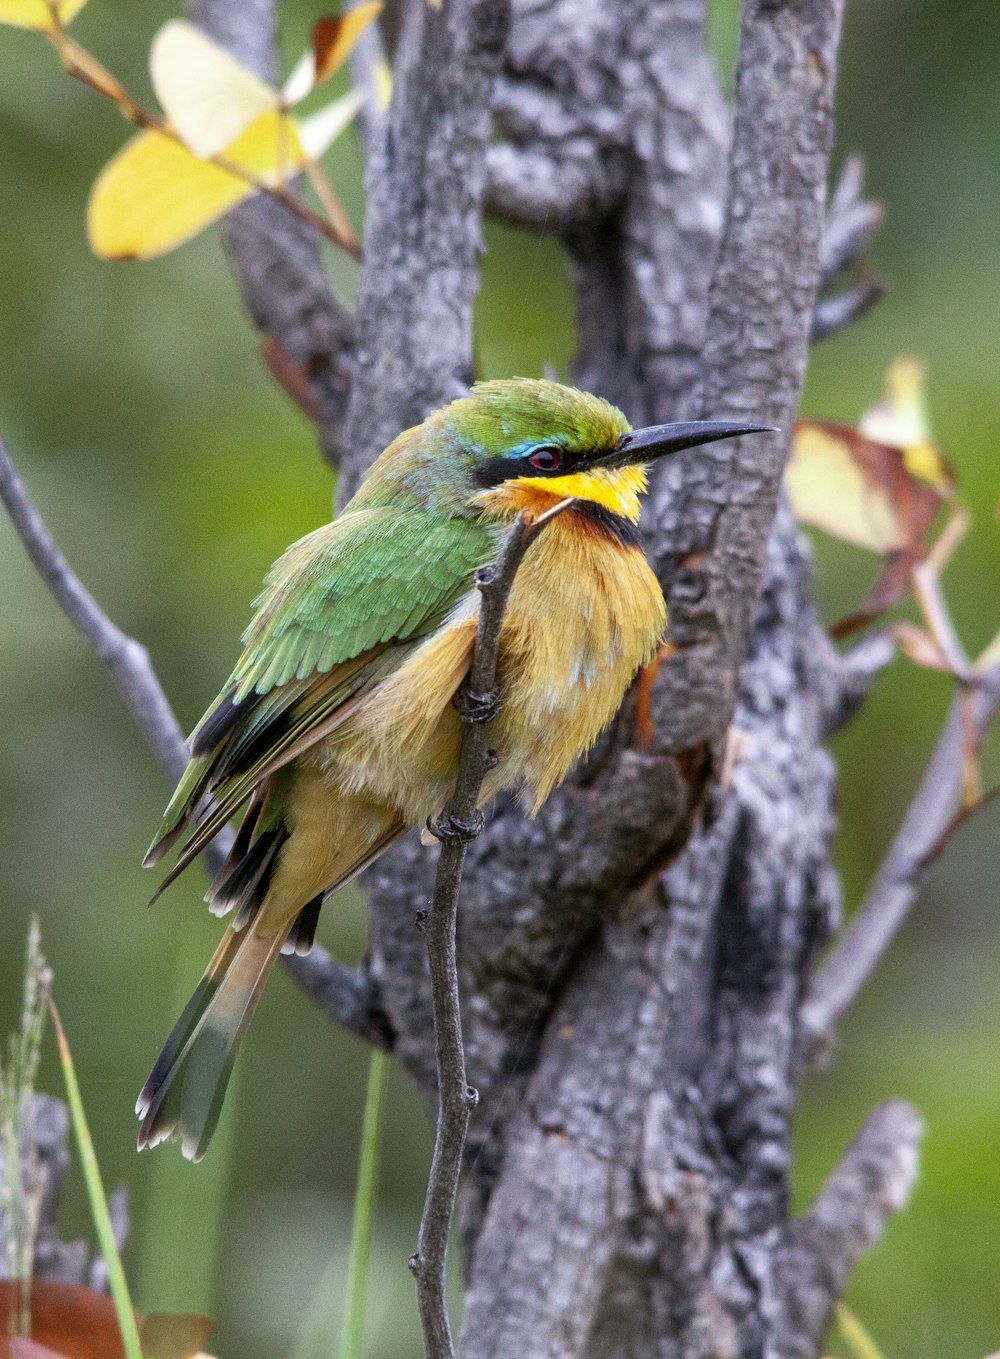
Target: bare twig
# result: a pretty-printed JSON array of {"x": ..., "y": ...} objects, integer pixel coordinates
[
  {"x": 851, "y": 222},
  {"x": 851, "y": 225},
  {"x": 478, "y": 703},
  {"x": 834, "y": 314},
  {"x": 348, "y": 996},
  {"x": 872, "y": 1182},
  {"x": 125, "y": 659},
  {"x": 925, "y": 828}
]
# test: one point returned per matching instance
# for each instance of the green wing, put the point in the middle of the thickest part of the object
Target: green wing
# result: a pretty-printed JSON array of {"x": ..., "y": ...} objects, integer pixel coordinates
[{"x": 339, "y": 610}]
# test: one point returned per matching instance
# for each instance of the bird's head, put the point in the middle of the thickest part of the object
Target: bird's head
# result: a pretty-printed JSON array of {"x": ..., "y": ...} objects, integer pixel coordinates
[{"x": 517, "y": 441}]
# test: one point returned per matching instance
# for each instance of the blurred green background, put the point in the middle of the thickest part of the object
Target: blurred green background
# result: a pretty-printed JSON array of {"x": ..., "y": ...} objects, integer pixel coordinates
[{"x": 172, "y": 471}]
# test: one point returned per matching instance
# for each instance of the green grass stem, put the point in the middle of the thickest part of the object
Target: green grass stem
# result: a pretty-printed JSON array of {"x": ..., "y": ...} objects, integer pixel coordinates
[
  {"x": 353, "y": 1331},
  {"x": 98, "y": 1202},
  {"x": 861, "y": 1343}
]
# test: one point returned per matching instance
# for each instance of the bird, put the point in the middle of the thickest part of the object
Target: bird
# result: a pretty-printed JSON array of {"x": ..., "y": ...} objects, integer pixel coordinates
[{"x": 337, "y": 732}]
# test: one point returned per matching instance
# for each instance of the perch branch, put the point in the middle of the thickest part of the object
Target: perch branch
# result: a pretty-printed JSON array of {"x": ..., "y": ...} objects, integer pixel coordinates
[
  {"x": 926, "y": 826},
  {"x": 347, "y": 996},
  {"x": 478, "y": 702}
]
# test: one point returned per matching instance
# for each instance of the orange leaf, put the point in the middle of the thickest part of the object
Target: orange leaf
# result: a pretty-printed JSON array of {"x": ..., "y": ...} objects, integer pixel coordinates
[
  {"x": 890, "y": 587},
  {"x": 335, "y": 37},
  {"x": 30, "y": 1349},
  {"x": 75, "y": 1322},
  {"x": 333, "y": 40}
]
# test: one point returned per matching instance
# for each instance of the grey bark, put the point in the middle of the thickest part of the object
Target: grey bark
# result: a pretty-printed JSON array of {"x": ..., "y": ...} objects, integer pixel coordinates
[
  {"x": 43, "y": 1170},
  {"x": 633, "y": 961}
]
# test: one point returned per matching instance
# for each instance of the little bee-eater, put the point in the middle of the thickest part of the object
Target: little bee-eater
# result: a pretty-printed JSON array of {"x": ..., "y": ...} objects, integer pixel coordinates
[{"x": 337, "y": 728}]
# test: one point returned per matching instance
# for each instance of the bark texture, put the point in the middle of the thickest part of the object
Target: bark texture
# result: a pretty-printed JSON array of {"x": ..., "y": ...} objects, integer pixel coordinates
[{"x": 632, "y": 962}]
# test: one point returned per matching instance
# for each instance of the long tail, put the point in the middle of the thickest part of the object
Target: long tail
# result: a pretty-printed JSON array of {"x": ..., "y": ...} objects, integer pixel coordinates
[{"x": 184, "y": 1093}]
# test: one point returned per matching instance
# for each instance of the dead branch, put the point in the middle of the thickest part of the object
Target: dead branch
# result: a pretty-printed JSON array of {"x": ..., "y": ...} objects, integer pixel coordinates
[
  {"x": 892, "y": 894},
  {"x": 872, "y": 1183}
]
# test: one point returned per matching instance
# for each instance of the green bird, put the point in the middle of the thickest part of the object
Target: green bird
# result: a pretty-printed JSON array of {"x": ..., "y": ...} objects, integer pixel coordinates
[{"x": 336, "y": 731}]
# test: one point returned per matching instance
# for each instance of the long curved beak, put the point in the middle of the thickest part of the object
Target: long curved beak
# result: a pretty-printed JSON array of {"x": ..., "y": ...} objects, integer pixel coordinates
[{"x": 643, "y": 445}]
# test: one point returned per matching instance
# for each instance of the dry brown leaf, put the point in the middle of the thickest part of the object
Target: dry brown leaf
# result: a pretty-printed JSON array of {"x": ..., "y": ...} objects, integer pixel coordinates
[
  {"x": 878, "y": 487},
  {"x": 75, "y": 1323},
  {"x": 174, "y": 1335}
]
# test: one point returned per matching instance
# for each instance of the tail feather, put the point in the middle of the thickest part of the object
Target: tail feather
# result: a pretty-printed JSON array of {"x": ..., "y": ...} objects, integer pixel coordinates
[
  {"x": 183, "y": 1096},
  {"x": 302, "y": 935}
]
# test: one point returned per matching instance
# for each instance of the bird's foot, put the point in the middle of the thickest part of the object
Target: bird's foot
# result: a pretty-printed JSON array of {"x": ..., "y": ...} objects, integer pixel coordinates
[
  {"x": 473, "y": 707},
  {"x": 456, "y": 829}
]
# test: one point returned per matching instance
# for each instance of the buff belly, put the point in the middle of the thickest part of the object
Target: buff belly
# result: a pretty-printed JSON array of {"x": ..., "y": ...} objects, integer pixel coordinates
[{"x": 585, "y": 613}]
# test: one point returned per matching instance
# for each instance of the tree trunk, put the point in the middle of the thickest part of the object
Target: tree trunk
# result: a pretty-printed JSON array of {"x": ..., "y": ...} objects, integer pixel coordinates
[{"x": 634, "y": 960}]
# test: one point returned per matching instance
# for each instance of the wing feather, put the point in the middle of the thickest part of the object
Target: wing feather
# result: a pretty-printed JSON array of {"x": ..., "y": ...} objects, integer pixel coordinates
[{"x": 340, "y": 610}]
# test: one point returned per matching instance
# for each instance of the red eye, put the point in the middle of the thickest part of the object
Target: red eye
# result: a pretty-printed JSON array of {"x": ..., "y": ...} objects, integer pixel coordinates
[{"x": 545, "y": 459}]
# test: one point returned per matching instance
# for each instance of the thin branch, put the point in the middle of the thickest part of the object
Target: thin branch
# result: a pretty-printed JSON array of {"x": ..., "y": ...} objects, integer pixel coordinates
[
  {"x": 872, "y": 1182},
  {"x": 125, "y": 659},
  {"x": 834, "y": 314},
  {"x": 925, "y": 828},
  {"x": 851, "y": 223},
  {"x": 346, "y": 995},
  {"x": 478, "y": 703}
]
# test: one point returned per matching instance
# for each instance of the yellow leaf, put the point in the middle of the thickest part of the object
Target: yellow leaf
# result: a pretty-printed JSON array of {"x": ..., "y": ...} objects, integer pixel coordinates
[
  {"x": 829, "y": 489},
  {"x": 155, "y": 194},
  {"x": 900, "y": 420},
  {"x": 333, "y": 40},
  {"x": 38, "y": 13},
  {"x": 206, "y": 94}
]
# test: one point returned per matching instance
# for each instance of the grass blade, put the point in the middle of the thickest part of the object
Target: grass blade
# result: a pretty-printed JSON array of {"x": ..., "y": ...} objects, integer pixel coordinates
[
  {"x": 353, "y": 1332},
  {"x": 98, "y": 1201}
]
